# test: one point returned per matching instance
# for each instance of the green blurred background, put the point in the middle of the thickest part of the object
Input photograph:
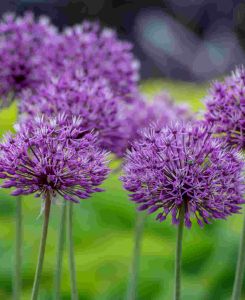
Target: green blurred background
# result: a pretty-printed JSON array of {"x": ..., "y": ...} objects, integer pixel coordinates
[{"x": 103, "y": 235}]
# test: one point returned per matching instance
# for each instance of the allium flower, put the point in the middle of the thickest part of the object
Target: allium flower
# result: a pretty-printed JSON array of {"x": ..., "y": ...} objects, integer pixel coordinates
[
  {"x": 101, "y": 54},
  {"x": 141, "y": 113},
  {"x": 117, "y": 123},
  {"x": 226, "y": 108},
  {"x": 53, "y": 157},
  {"x": 24, "y": 44},
  {"x": 184, "y": 166},
  {"x": 91, "y": 100}
]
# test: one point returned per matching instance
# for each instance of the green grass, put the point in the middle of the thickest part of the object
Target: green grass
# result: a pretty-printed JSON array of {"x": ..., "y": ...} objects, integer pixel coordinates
[{"x": 103, "y": 240}]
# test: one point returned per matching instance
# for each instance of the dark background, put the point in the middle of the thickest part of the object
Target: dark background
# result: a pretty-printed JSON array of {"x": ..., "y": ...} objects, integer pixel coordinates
[{"x": 191, "y": 40}]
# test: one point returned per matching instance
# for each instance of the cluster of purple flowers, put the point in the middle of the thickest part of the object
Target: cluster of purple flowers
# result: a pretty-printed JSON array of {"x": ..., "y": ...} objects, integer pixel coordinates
[
  {"x": 79, "y": 100},
  {"x": 183, "y": 167},
  {"x": 117, "y": 122},
  {"x": 226, "y": 108},
  {"x": 88, "y": 74},
  {"x": 52, "y": 73},
  {"x": 192, "y": 166},
  {"x": 53, "y": 157}
]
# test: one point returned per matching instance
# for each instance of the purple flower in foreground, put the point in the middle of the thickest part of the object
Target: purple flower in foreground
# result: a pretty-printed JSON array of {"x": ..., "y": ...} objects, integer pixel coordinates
[
  {"x": 53, "y": 157},
  {"x": 100, "y": 54},
  {"x": 184, "y": 167},
  {"x": 24, "y": 46},
  {"x": 226, "y": 108}
]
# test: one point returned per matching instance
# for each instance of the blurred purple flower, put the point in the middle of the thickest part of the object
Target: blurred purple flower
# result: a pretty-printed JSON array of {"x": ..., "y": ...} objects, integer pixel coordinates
[
  {"x": 100, "y": 54},
  {"x": 226, "y": 108},
  {"x": 141, "y": 113},
  {"x": 24, "y": 46},
  {"x": 53, "y": 157},
  {"x": 183, "y": 166},
  {"x": 76, "y": 95},
  {"x": 116, "y": 122}
]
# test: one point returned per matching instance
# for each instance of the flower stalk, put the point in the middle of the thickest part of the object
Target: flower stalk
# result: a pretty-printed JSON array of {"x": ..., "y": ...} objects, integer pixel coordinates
[
  {"x": 18, "y": 250},
  {"x": 133, "y": 282},
  {"x": 74, "y": 292},
  {"x": 237, "y": 287},
  {"x": 39, "y": 268},
  {"x": 177, "y": 289},
  {"x": 60, "y": 251}
]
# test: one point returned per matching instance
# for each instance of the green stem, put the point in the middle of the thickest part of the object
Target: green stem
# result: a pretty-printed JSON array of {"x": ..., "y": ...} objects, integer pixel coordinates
[
  {"x": 237, "y": 288},
  {"x": 18, "y": 250},
  {"x": 139, "y": 227},
  {"x": 74, "y": 292},
  {"x": 60, "y": 251},
  {"x": 39, "y": 268},
  {"x": 177, "y": 290}
]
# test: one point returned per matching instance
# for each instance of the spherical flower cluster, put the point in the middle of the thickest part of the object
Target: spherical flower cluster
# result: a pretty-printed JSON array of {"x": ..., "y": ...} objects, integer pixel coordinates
[
  {"x": 141, "y": 113},
  {"x": 226, "y": 108},
  {"x": 53, "y": 157},
  {"x": 24, "y": 44},
  {"x": 101, "y": 54},
  {"x": 164, "y": 106},
  {"x": 184, "y": 167},
  {"x": 91, "y": 100}
]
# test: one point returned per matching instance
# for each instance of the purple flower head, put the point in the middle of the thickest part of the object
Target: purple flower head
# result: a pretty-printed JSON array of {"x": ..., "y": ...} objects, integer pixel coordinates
[
  {"x": 183, "y": 166},
  {"x": 167, "y": 111},
  {"x": 24, "y": 44},
  {"x": 74, "y": 94},
  {"x": 141, "y": 113},
  {"x": 100, "y": 54},
  {"x": 53, "y": 157},
  {"x": 226, "y": 108}
]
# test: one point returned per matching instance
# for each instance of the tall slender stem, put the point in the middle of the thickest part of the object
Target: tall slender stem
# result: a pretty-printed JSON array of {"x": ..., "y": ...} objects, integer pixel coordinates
[
  {"x": 133, "y": 282},
  {"x": 39, "y": 268},
  {"x": 237, "y": 287},
  {"x": 60, "y": 251},
  {"x": 177, "y": 290},
  {"x": 74, "y": 292},
  {"x": 18, "y": 250}
]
